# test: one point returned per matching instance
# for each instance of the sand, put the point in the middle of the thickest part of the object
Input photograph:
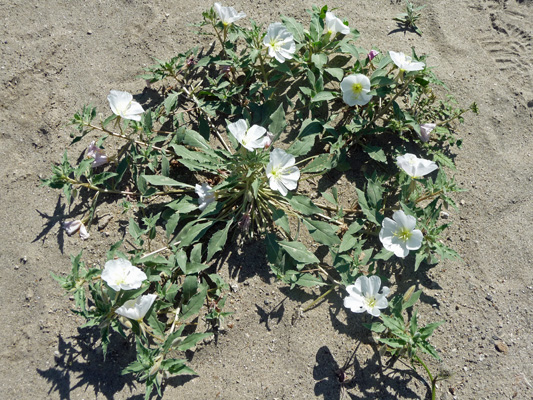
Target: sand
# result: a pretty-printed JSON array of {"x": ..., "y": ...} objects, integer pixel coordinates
[{"x": 59, "y": 55}]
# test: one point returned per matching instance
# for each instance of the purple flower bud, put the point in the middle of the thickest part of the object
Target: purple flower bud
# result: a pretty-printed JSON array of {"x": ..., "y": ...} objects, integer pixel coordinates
[
  {"x": 372, "y": 54},
  {"x": 244, "y": 223},
  {"x": 97, "y": 153},
  {"x": 425, "y": 130}
]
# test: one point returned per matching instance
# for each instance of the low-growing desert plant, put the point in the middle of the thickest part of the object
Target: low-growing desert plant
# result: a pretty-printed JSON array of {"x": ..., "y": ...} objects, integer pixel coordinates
[{"x": 224, "y": 157}]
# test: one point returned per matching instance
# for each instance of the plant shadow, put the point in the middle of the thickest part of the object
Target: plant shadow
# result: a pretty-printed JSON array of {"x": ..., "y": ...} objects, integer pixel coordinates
[
  {"x": 80, "y": 363},
  {"x": 360, "y": 381}
]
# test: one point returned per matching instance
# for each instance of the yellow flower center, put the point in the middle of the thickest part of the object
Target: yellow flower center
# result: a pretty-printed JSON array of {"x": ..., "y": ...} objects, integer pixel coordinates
[
  {"x": 274, "y": 44},
  {"x": 357, "y": 88},
  {"x": 371, "y": 302},
  {"x": 403, "y": 234},
  {"x": 276, "y": 172}
]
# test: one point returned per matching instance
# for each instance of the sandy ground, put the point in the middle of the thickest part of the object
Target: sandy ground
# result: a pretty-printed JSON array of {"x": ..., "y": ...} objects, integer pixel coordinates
[{"x": 59, "y": 55}]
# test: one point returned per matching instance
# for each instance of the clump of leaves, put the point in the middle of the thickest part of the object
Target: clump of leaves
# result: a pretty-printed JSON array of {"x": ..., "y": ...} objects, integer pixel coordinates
[{"x": 409, "y": 17}]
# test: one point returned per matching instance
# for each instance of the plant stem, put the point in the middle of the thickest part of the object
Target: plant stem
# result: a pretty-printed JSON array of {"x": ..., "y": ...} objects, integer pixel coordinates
[{"x": 433, "y": 381}]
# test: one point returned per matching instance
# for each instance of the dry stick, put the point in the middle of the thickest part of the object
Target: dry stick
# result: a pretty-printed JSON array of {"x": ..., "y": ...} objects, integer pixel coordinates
[{"x": 217, "y": 133}]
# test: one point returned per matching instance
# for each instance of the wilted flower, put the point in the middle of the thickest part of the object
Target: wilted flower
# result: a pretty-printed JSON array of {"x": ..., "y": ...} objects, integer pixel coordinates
[
  {"x": 71, "y": 227},
  {"x": 372, "y": 53},
  {"x": 399, "y": 234},
  {"x": 280, "y": 42},
  {"x": 250, "y": 138},
  {"x": 355, "y": 90},
  {"x": 137, "y": 309},
  {"x": 205, "y": 194},
  {"x": 425, "y": 130},
  {"x": 415, "y": 167},
  {"x": 119, "y": 274},
  {"x": 406, "y": 63},
  {"x": 364, "y": 296},
  {"x": 334, "y": 25},
  {"x": 93, "y": 151},
  {"x": 281, "y": 171},
  {"x": 122, "y": 104},
  {"x": 268, "y": 140},
  {"x": 228, "y": 15}
]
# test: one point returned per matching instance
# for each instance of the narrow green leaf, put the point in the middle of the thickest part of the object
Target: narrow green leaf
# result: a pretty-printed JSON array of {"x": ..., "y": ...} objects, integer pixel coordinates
[
  {"x": 280, "y": 219},
  {"x": 298, "y": 252},
  {"x": 303, "y": 205},
  {"x": 192, "y": 339},
  {"x": 193, "y": 307},
  {"x": 322, "y": 232},
  {"x": 159, "y": 180},
  {"x": 218, "y": 240}
]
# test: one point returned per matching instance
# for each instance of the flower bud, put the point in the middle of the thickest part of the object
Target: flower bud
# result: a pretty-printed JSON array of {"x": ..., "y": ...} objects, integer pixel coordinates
[{"x": 372, "y": 54}]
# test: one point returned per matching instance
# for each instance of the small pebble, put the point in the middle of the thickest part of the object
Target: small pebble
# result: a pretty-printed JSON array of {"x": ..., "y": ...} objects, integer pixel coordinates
[
  {"x": 488, "y": 297},
  {"x": 444, "y": 215},
  {"x": 501, "y": 347}
]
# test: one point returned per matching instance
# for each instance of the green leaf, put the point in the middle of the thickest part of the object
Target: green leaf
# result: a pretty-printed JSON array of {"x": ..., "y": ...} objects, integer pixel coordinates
[
  {"x": 159, "y": 180},
  {"x": 192, "y": 138},
  {"x": 298, "y": 252},
  {"x": 303, "y": 205},
  {"x": 278, "y": 123},
  {"x": 293, "y": 27},
  {"x": 308, "y": 280},
  {"x": 280, "y": 219},
  {"x": 348, "y": 243},
  {"x": 322, "y": 232},
  {"x": 323, "y": 96},
  {"x": 319, "y": 59},
  {"x": 171, "y": 102},
  {"x": 375, "y": 153},
  {"x": 427, "y": 330},
  {"x": 412, "y": 300},
  {"x": 337, "y": 73},
  {"x": 171, "y": 224},
  {"x": 194, "y": 305},
  {"x": 192, "y": 232},
  {"x": 134, "y": 229},
  {"x": 323, "y": 162},
  {"x": 218, "y": 240},
  {"x": 194, "y": 268},
  {"x": 394, "y": 343},
  {"x": 192, "y": 339},
  {"x": 371, "y": 213},
  {"x": 190, "y": 285}
]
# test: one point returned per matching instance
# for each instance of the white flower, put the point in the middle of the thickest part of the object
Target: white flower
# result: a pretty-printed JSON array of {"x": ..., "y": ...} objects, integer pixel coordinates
[
  {"x": 122, "y": 104},
  {"x": 280, "y": 42},
  {"x": 119, "y": 274},
  {"x": 425, "y": 130},
  {"x": 364, "y": 296},
  {"x": 399, "y": 234},
  {"x": 250, "y": 138},
  {"x": 355, "y": 90},
  {"x": 281, "y": 171},
  {"x": 98, "y": 154},
  {"x": 334, "y": 25},
  {"x": 136, "y": 309},
  {"x": 415, "y": 167},
  {"x": 406, "y": 63},
  {"x": 76, "y": 226},
  {"x": 205, "y": 195},
  {"x": 228, "y": 15}
]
